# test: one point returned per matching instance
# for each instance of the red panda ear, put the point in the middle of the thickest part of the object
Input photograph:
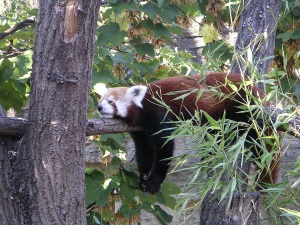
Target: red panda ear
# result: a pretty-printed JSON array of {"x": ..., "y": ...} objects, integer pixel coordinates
[{"x": 137, "y": 94}]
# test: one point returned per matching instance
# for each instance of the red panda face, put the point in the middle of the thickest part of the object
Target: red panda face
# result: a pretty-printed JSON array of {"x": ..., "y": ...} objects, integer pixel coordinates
[{"x": 116, "y": 101}]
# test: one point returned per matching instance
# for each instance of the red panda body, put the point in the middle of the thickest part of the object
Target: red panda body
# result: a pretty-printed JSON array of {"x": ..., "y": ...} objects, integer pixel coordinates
[{"x": 141, "y": 105}]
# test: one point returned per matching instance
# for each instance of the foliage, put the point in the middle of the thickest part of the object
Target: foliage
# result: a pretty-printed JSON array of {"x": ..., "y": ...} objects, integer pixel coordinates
[
  {"x": 221, "y": 149},
  {"x": 288, "y": 47},
  {"x": 15, "y": 56},
  {"x": 113, "y": 193},
  {"x": 293, "y": 213},
  {"x": 130, "y": 39}
]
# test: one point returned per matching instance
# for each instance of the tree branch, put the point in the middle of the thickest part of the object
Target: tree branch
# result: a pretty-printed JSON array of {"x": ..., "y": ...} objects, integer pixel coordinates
[
  {"x": 105, "y": 126},
  {"x": 17, "y": 126},
  {"x": 13, "y": 52},
  {"x": 19, "y": 26}
]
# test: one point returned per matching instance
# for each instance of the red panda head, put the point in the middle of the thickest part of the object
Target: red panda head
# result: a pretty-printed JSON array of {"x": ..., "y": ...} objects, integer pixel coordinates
[{"x": 117, "y": 101}]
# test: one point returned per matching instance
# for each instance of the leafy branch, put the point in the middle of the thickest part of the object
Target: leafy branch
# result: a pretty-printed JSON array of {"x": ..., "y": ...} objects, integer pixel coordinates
[{"x": 19, "y": 26}]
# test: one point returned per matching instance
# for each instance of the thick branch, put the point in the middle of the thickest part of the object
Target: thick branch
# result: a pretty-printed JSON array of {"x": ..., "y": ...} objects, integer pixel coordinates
[
  {"x": 13, "y": 52},
  {"x": 13, "y": 126},
  {"x": 105, "y": 126},
  {"x": 19, "y": 26},
  {"x": 17, "y": 126}
]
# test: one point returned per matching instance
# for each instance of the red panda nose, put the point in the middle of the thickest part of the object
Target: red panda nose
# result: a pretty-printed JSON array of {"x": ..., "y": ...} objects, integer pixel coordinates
[{"x": 100, "y": 108}]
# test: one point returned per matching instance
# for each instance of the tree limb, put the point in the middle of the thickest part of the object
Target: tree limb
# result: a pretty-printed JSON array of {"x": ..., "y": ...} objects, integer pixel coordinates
[
  {"x": 13, "y": 52},
  {"x": 105, "y": 126},
  {"x": 17, "y": 126},
  {"x": 19, "y": 26}
]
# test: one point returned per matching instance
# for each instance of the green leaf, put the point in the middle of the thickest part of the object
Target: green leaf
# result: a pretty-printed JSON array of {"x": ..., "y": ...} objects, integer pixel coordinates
[
  {"x": 128, "y": 192},
  {"x": 12, "y": 94},
  {"x": 120, "y": 6},
  {"x": 150, "y": 9},
  {"x": 115, "y": 163},
  {"x": 160, "y": 31},
  {"x": 218, "y": 50},
  {"x": 158, "y": 212},
  {"x": 297, "y": 90},
  {"x": 211, "y": 120},
  {"x": 111, "y": 34},
  {"x": 93, "y": 190},
  {"x": 169, "y": 12},
  {"x": 160, "y": 2},
  {"x": 296, "y": 34},
  {"x": 209, "y": 33},
  {"x": 285, "y": 36},
  {"x": 145, "y": 49},
  {"x": 103, "y": 197},
  {"x": 94, "y": 218},
  {"x": 292, "y": 212},
  {"x": 191, "y": 9},
  {"x": 6, "y": 69},
  {"x": 127, "y": 211}
]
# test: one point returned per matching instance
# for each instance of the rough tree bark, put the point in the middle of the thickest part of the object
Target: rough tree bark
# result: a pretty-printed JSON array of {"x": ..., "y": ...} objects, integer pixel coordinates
[
  {"x": 8, "y": 206},
  {"x": 255, "y": 43},
  {"x": 44, "y": 178},
  {"x": 255, "y": 47}
]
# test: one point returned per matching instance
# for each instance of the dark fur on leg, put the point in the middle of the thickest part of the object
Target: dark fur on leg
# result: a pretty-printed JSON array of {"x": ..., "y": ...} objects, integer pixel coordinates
[{"x": 151, "y": 152}]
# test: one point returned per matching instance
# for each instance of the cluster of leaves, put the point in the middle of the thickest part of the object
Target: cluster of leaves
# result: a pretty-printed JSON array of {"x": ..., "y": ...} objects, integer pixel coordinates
[
  {"x": 288, "y": 48},
  {"x": 113, "y": 194},
  {"x": 130, "y": 38},
  {"x": 15, "y": 55}
]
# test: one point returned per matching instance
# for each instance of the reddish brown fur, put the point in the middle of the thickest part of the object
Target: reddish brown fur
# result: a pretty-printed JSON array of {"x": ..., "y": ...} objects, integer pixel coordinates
[{"x": 210, "y": 101}]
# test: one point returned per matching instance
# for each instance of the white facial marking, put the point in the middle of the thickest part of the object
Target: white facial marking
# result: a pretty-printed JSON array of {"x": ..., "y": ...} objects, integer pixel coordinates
[
  {"x": 105, "y": 107},
  {"x": 137, "y": 94},
  {"x": 122, "y": 108}
]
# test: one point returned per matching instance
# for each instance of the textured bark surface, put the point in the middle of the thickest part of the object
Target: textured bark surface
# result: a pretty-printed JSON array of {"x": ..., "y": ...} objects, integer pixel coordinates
[
  {"x": 256, "y": 36},
  {"x": 242, "y": 210},
  {"x": 107, "y": 126},
  {"x": 190, "y": 40},
  {"x": 9, "y": 206},
  {"x": 46, "y": 178}
]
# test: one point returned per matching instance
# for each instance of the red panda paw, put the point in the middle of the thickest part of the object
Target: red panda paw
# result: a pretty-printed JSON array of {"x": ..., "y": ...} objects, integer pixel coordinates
[{"x": 151, "y": 185}]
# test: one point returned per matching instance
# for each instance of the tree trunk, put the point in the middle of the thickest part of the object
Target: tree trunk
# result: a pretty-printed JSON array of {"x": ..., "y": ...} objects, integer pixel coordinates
[
  {"x": 256, "y": 37},
  {"x": 45, "y": 182},
  {"x": 241, "y": 211}
]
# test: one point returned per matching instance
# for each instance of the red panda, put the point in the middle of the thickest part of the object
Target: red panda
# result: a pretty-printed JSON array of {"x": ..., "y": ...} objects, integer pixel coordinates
[{"x": 136, "y": 105}]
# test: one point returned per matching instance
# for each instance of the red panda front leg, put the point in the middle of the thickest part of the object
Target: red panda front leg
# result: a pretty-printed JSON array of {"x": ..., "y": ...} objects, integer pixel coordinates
[
  {"x": 155, "y": 133},
  {"x": 144, "y": 153}
]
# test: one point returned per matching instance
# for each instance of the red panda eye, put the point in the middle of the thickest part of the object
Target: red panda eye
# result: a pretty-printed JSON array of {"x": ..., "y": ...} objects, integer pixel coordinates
[{"x": 110, "y": 101}]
